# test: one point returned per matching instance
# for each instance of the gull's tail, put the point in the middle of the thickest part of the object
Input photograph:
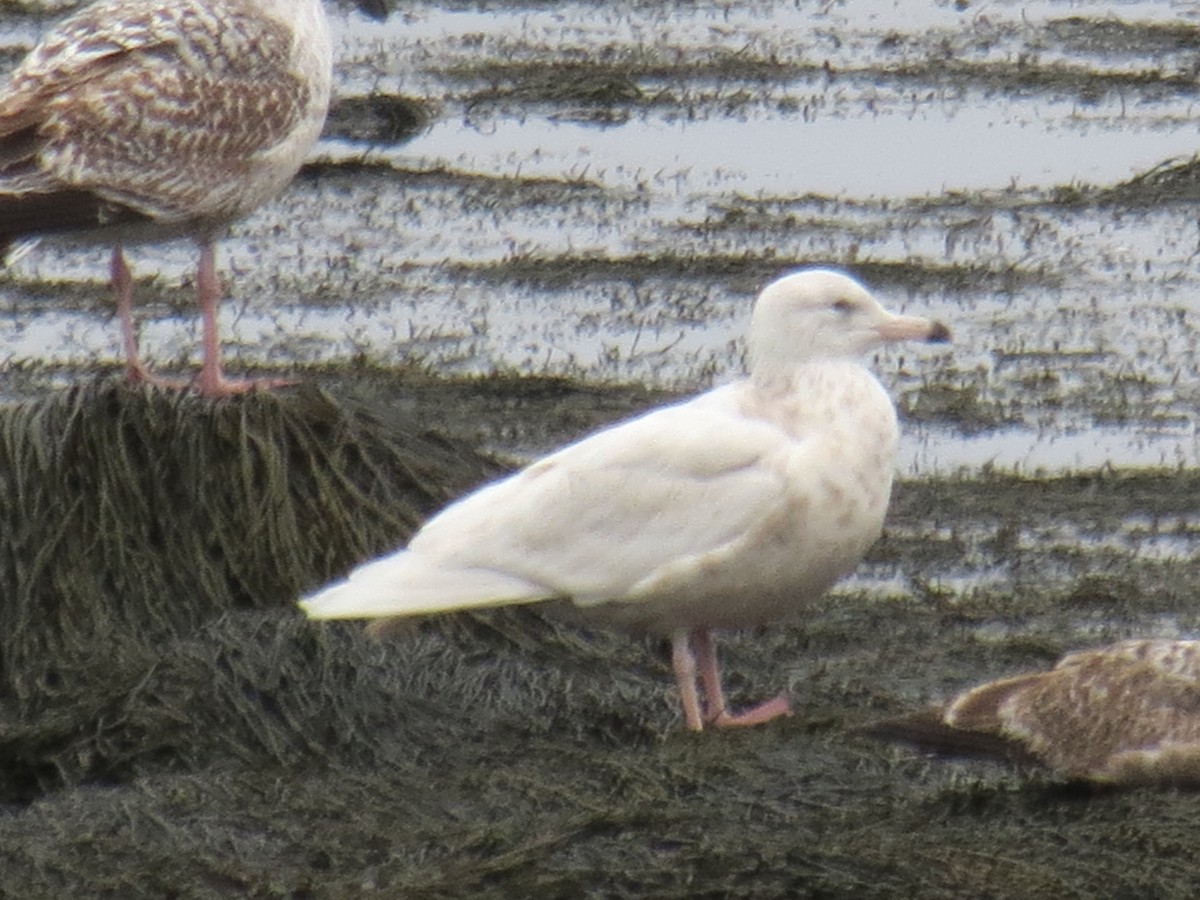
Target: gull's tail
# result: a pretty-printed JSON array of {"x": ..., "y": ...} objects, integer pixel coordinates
[
  {"x": 24, "y": 215},
  {"x": 404, "y": 585},
  {"x": 929, "y": 732}
]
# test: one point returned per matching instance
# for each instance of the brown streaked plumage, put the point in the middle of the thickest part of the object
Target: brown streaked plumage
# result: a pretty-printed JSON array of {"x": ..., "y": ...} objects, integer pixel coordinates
[
  {"x": 146, "y": 120},
  {"x": 1127, "y": 713}
]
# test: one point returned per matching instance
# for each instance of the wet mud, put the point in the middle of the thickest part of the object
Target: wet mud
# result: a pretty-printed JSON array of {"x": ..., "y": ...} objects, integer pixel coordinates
[{"x": 458, "y": 286}]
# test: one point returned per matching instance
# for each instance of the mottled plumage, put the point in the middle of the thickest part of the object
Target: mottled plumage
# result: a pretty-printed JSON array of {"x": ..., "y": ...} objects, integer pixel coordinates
[
  {"x": 1126, "y": 713},
  {"x": 736, "y": 508},
  {"x": 149, "y": 120}
]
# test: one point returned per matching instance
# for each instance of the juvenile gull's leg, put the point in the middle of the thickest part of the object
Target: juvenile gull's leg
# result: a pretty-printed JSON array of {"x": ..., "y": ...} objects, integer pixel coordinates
[
  {"x": 122, "y": 283},
  {"x": 211, "y": 382}
]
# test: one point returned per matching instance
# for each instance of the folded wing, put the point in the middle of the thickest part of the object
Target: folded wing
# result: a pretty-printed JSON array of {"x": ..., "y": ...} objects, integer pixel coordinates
[{"x": 589, "y": 522}]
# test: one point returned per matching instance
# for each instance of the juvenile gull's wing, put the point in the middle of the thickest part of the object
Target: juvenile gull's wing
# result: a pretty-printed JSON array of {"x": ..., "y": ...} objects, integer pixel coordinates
[
  {"x": 158, "y": 108},
  {"x": 1126, "y": 713}
]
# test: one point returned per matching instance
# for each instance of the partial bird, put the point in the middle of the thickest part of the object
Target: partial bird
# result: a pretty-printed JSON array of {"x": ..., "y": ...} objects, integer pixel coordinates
[
  {"x": 736, "y": 508},
  {"x": 1128, "y": 713},
  {"x": 146, "y": 120}
]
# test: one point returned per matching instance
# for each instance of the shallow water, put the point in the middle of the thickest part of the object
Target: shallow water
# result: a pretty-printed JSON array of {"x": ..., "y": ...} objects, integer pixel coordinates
[
  {"x": 556, "y": 224},
  {"x": 599, "y": 192}
]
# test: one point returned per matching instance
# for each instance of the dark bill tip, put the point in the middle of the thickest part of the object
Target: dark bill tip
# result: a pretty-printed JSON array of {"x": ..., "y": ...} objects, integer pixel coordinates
[{"x": 938, "y": 334}]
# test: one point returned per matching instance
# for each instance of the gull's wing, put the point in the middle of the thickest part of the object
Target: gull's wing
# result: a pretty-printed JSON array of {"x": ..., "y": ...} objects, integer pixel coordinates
[
  {"x": 1126, "y": 713},
  {"x": 591, "y": 521},
  {"x": 88, "y": 114},
  {"x": 1170, "y": 660}
]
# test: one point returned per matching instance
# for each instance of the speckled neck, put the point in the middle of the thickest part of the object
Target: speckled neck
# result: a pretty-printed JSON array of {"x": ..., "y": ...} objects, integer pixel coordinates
[{"x": 840, "y": 398}]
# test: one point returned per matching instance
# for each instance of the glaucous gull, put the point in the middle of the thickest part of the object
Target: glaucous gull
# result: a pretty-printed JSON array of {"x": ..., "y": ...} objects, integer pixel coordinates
[
  {"x": 1128, "y": 713},
  {"x": 732, "y": 509},
  {"x": 143, "y": 120}
]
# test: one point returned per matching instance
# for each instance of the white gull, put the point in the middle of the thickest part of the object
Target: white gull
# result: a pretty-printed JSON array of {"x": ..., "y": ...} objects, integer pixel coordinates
[
  {"x": 147, "y": 120},
  {"x": 735, "y": 508}
]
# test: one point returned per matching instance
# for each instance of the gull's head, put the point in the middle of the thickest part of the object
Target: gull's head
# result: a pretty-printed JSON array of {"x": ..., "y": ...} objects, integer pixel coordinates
[{"x": 823, "y": 314}]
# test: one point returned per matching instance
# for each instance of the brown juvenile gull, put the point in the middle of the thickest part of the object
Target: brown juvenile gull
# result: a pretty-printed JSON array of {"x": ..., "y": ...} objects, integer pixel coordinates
[
  {"x": 732, "y": 509},
  {"x": 145, "y": 120},
  {"x": 1128, "y": 713}
]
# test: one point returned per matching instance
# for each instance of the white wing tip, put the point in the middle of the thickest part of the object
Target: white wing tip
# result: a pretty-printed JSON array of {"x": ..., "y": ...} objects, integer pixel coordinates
[
  {"x": 373, "y": 593},
  {"x": 350, "y": 600}
]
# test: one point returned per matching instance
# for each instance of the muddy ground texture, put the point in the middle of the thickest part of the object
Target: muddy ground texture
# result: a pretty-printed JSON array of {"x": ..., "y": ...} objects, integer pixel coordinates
[{"x": 171, "y": 726}]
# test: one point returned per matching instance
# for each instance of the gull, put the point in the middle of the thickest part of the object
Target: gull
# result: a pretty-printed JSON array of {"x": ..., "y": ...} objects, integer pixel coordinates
[
  {"x": 736, "y": 508},
  {"x": 145, "y": 120},
  {"x": 1128, "y": 713}
]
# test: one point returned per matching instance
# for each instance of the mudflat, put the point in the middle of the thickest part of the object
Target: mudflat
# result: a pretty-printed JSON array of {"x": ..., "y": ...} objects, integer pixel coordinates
[{"x": 526, "y": 221}]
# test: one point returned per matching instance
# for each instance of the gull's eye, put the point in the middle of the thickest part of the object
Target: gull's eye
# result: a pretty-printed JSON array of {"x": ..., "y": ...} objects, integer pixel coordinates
[{"x": 843, "y": 306}]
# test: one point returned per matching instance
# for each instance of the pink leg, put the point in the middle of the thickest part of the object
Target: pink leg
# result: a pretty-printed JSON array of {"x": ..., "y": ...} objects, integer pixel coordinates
[
  {"x": 684, "y": 664},
  {"x": 211, "y": 382},
  {"x": 122, "y": 282},
  {"x": 717, "y": 712}
]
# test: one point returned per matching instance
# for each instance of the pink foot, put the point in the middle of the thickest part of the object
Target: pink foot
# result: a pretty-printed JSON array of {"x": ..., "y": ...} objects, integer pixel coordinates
[
  {"x": 215, "y": 384},
  {"x": 756, "y": 715},
  {"x": 694, "y": 656},
  {"x": 136, "y": 373}
]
